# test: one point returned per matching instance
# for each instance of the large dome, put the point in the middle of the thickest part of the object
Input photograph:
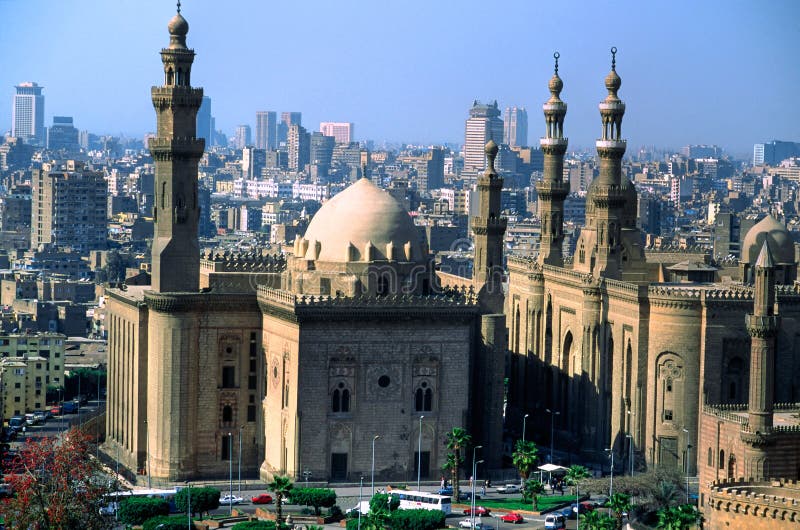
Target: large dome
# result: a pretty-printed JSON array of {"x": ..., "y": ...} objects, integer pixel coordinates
[
  {"x": 780, "y": 240},
  {"x": 362, "y": 223}
]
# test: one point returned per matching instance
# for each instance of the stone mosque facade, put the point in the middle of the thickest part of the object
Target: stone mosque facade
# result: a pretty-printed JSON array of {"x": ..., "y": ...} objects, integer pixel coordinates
[
  {"x": 615, "y": 349},
  {"x": 352, "y": 340},
  {"x": 307, "y": 361}
]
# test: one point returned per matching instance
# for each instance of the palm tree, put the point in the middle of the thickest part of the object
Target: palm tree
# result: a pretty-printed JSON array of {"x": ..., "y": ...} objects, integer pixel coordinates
[
  {"x": 280, "y": 486},
  {"x": 525, "y": 457},
  {"x": 595, "y": 520},
  {"x": 666, "y": 494},
  {"x": 531, "y": 490},
  {"x": 575, "y": 474},
  {"x": 678, "y": 517},
  {"x": 619, "y": 503},
  {"x": 457, "y": 439}
]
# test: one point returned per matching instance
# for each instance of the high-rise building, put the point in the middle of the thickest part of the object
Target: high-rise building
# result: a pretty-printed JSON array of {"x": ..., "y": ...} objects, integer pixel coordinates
[
  {"x": 298, "y": 143},
  {"x": 515, "y": 121},
  {"x": 204, "y": 128},
  {"x": 341, "y": 131},
  {"x": 484, "y": 124},
  {"x": 62, "y": 135},
  {"x": 287, "y": 119},
  {"x": 69, "y": 207},
  {"x": 266, "y": 129},
  {"x": 27, "y": 114},
  {"x": 243, "y": 137},
  {"x": 774, "y": 152},
  {"x": 321, "y": 152},
  {"x": 253, "y": 161}
]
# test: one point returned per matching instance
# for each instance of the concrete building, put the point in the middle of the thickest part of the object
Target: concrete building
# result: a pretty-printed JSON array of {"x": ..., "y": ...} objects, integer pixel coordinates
[
  {"x": 306, "y": 357},
  {"x": 204, "y": 128},
  {"x": 774, "y": 152},
  {"x": 63, "y": 136},
  {"x": 341, "y": 131},
  {"x": 29, "y": 363},
  {"x": 69, "y": 207},
  {"x": 298, "y": 144},
  {"x": 27, "y": 114},
  {"x": 243, "y": 137},
  {"x": 483, "y": 124},
  {"x": 515, "y": 123},
  {"x": 287, "y": 119},
  {"x": 266, "y": 130}
]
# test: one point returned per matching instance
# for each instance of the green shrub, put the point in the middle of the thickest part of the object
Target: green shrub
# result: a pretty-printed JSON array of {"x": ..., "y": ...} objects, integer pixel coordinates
[
  {"x": 254, "y": 525},
  {"x": 137, "y": 510},
  {"x": 315, "y": 497},
  {"x": 418, "y": 519},
  {"x": 203, "y": 500},
  {"x": 169, "y": 523}
]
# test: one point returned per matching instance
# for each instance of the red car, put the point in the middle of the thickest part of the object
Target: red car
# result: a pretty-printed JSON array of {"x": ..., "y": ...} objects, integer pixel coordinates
[
  {"x": 479, "y": 510},
  {"x": 262, "y": 498},
  {"x": 512, "y": 517}
]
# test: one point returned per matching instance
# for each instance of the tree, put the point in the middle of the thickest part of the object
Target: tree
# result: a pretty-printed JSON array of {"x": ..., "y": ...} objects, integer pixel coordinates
[
  {"x": 620, "y": 503},
  {"x": 202, "y": 499},
  {"x": 418, "y": 519},
  {"x": 596, "y": 520},
  {"x": 525, "y": 457},
  {"x": 57, "y": 484},
  {"x": 254, "y": 525},
  {"x": 281, "y": 487},
  {"x": 574, "y": 475},
  {"x": 137, "y": 510},
  {"x": 678, "y": 517},
  {"x": 316, "y": 497},
  {"x": 457, "y": 440},
  {"x": 531, "y": 490}
]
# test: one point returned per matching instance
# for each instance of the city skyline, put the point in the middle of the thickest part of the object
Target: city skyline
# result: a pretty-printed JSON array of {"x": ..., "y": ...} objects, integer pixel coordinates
[{"x": 692, "y": 84}]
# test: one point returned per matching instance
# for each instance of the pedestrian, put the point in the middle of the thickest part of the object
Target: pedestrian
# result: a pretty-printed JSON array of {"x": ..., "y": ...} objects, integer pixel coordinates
[
  {"x": 470, "y": 481},
  {"x": 443, "y": 482},
  {"x": 483, "y": 489}
]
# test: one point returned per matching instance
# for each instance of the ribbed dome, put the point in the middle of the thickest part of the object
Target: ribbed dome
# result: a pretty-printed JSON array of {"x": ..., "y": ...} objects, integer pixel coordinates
[
  {"x": 178, "y": 26},
  {"x": 780, "y": 240},
  {"x": 613, "y": 82},
  {"x": 555, "y": 85},
  {"x": 361, "y": 215}
]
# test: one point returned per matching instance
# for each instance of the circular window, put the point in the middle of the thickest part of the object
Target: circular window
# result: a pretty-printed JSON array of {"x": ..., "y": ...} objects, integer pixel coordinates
[
  {"x": 275, "y": 372},
  {"x": 383, "y": 381},
  {"x": 424, "y": 385},
  {"x": 341, "y": 385},
  {"x": 228, "y": 350}
]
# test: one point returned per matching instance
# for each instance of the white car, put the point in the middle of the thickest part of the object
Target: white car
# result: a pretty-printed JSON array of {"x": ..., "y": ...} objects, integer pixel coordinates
[
  {"x": 508, "y": 488},
  {"x": 230, "y": 499},
  {"x": 467, "y": 523}
]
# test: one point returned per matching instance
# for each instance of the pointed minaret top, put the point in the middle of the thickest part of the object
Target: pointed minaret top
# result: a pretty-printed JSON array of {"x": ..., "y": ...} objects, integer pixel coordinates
[{"x": 764, "y": 260}]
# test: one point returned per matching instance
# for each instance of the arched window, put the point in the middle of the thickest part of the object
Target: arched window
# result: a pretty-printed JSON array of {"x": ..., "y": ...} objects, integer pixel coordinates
[
  {"x": 227, "y": 414},
  {"x": 335, "y": 401},
  {"x": 710, "y": 457},
  {"x": 340, "y": 398},
  {"x": 345, "y": 400},
  {"x": 423, "y": 398},
  {"x": 428, "y": 404},
  {"x": 418, "y": 398},
  {"x": 721, "y": 459}
]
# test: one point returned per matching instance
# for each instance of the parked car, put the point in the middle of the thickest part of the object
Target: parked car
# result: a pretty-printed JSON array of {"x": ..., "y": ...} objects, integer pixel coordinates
[
  {"x": 467, "y": 495},
  {"x": 229, "y": 499},
  {"x": 70, "y": 407},
  {"x": 262, "y": 498},
  {"x": 555, "y": 522},
  {"x": 467, "y": 523},
  {"x": 446, "y": 491},
  {"x": 30, "y": 419},
  {"x": 479, "y": 510},
  {"x": 512, "y": 517},
  {"x": 16, "y": 422},
  {"x": 508, "y": 488},
  {"x": 55, "y": 410},
  {"x": 39, "y": 416}
]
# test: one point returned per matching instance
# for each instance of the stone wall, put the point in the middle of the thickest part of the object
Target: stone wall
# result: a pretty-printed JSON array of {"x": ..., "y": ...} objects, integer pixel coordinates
[{"x": 755, "y": 506}]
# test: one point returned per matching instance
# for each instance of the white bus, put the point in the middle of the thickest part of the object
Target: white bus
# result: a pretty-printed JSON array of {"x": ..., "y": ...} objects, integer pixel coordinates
[{"x": 421, "y": 500}]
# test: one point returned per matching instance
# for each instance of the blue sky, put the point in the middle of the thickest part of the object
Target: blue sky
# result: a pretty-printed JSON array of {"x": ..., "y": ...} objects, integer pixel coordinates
[{"x": 723, "y": 72}]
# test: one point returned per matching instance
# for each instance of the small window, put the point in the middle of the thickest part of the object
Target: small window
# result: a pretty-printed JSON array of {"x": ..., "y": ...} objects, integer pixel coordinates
[
  {"x": 667, "y": 415},
  {"x": 251, "y": 382},
  {"x": 228, "y": 377},
  {"x": 710, "y": 457},
  {"x": 721, "y": 459},
  {"x": 251, "y": 413},
  {"x": 227, "y": 414},
  {"x": 384, "y": 381},
  {"x": 252, "y": 365},
  {"x": 669, "y": 385}
]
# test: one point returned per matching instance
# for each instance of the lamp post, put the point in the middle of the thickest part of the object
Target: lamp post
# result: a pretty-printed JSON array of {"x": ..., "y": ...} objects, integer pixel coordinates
[
  {"x": 630, "y": 451},
  {"x": 686, "y": 458},
  {"x": 474, "y": 471},
  {"x": 189, "y": 508},
  {"x": 147, "y": 450},
  {"x": 230, "y": 473},
  {"x": 553, "y": 414},
  {"x": 524, "y": 425},
  {"x": 419, "y": 453},
  {"x": 373, "y": 462},
  {"x": 240, "y": 461},
  {"x": 631, "y": 426},
  {"x": 360, "y": 493},
  {"x": 611, "y": 482}
]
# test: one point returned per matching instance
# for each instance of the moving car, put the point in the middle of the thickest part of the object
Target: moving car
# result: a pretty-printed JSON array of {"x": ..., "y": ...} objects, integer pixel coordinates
[
  {"x": 479, "y": 510},
  {"x": 229, "y": 499},
  {"x": 555, "y": 522},
  {"x": 262, "y": 498},
  {"x": 512, "y": 517},
  {"x": 508, "y": 488},
  {"x": 448, "y": 491},
  {"x": 467, "y": 523},
  {"x": 39, "y": 416}
]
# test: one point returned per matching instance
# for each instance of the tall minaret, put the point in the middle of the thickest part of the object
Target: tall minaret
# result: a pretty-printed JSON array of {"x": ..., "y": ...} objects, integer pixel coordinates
[
  {"x": 606, "y": 193},
  {"x": 489, "y": 229},
  {"x": 552, "y": 189},
  {"x": 176, "y": 151},
  {"x": 762, "y": 326}
]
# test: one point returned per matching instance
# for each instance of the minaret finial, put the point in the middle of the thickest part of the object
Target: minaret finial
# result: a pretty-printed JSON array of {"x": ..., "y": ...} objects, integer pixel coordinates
[
  {"x": 614, "y": 58},
  {"x": 556, "y": 56},
  {"x": 179, "y": 6}
]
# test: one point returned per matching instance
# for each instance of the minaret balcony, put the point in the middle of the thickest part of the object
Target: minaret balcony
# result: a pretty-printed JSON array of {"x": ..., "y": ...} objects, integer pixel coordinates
[
  {"x": 492, "y": 225},
  {"x": 761, "y": 326},
  {"x": 176, "y": 96},
  {"x": 613, "y": 106},
  {"x": 176, "y": 145},
  {"x": 552, "y": 190},
  {"x": 553, "y": 142},
  {"x": 557, "y": 107}
]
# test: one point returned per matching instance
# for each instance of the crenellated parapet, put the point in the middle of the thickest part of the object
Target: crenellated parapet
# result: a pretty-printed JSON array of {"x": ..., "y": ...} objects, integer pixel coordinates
[
  {"x": 728, "y": 412},
  {"x": 672, "y": 297},
  {"x": 745, "y": 503},
  {"x": 254, "y": 261}
]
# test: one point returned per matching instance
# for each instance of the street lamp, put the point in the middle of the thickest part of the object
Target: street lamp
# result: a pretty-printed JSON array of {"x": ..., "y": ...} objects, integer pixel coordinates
[
  {"x": 686, "y": 458},
  {"x": 230, "y": 473},
  {"x": 553, "y": 415},
  {"x": 524, "y": 425},
  {"x": 189, "y": 508},
  {"x": 472, "y": 479},
  {"x": 373, "y": 462},
  {"x": 360, "y": 493},
  {"x": 611, "y": 483},
  {"x": 240, "y": 461},
  {"x": 419, "y": 453}
]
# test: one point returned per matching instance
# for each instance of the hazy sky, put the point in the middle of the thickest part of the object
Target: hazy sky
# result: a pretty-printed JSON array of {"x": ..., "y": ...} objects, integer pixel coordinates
[{"x": 724, "y": 72}]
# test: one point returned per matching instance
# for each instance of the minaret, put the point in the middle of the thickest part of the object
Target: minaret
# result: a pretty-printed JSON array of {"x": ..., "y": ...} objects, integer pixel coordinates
[
  {"x": 176, "y": 151},
  {"x": 762, "y": 326},
  {"x": 609, "y": 200},
  {"x": 552, "y": 189},
  {"x": 489, "y": 229}
]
